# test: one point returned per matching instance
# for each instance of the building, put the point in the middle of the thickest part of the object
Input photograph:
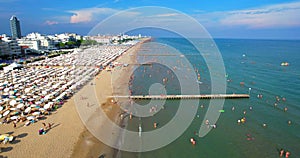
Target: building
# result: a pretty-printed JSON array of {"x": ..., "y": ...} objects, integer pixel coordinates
[
  {"x": 9, "y": 46},
  {"x": 32, "y": 44},
  {"x": 45, "y": 41},
  {"x": 101, "y": 39},
  {"x": 4, "y": 49},
  {"x": 14, "y": 47},
  {"x": 15, "y": 27}
]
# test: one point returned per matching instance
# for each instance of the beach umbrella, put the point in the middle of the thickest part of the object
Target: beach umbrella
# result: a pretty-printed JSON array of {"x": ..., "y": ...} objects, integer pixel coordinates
[
  {"x": 12, "y": 102},
  {"x": 44, "y": 92},
  {"x": 30, "y": 99},
  {"x": 20, "y": 106},
  {"x": 6, "y": 112},
  {"x": 14, "y": 117},
  {"x": 33, "y": 105},
  {"x": 36, "y": 113},
  {"x": 6, "y": 90},
  {"x": 30, "y": 117},
  {"x": 12, "y": 109},
  {"x": 27, "y": 110},
  {"x": 27, "y": 90},
  {"x": 38, "y": 102},
  {"x": 11, "y": 92},
  {"x": 16, "y": 86}
]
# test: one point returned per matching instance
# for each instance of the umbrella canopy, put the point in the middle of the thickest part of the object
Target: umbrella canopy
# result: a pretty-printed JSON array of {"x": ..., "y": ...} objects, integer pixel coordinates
[
  {"x": 6, "y": 113},
  {"x": 14, "y": 117},
  {"x": 27, "y": 110},
  {"x": 30, "y": 118},
  {"x": 20, "y": 106},
  {"x": 12, "y": 102}
]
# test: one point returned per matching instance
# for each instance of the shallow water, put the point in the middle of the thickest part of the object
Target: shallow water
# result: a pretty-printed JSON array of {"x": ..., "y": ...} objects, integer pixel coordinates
[{"x": 254, "y": 62}]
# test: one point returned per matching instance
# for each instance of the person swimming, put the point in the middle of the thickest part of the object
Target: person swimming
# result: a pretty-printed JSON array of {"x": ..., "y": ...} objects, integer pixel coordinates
[
  {"x": 155, "y": 125},
  {"x": 287, "y": 154},
  {"x": 281, "y": 152}
]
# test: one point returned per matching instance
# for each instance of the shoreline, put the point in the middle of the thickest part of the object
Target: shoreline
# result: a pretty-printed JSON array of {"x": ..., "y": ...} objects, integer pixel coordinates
[{"x": 81, "y": 149}]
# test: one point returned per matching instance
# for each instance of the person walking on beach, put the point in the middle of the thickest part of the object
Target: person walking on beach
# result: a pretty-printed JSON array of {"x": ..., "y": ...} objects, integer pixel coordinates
[
  {"x": 49, "y": 125},
  {"x": 15, "y": 124},
  {"x": 44, "y": 124}
]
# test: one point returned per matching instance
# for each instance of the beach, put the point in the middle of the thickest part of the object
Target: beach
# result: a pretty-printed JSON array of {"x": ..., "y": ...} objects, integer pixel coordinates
[
  {"x": 68, "y": 136},
  {"x": 88, "y": 145}
]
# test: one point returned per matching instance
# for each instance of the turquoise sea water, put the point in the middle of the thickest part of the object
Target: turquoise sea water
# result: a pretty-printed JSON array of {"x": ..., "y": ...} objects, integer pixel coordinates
[{"x": 256, "y": 63}]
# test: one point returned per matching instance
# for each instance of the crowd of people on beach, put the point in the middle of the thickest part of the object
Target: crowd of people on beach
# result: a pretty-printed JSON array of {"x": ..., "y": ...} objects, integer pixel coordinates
[{"x": 31, "y": 93}]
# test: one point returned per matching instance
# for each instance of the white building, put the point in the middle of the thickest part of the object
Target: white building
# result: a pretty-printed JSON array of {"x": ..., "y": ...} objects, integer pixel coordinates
[
  {"x": 32, "y": 44},
  {"x": 101, "y": 39},
  {"x": 45, "y": 41},
  {"x": 35, "y": 36}
]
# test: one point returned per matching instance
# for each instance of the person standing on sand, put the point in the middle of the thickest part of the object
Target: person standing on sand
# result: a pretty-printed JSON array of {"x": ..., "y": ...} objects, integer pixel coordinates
[
  {"x": 15, "y": 124},
  {"x": 49, "y": 125},
  {"x": 44, "y": 124}
]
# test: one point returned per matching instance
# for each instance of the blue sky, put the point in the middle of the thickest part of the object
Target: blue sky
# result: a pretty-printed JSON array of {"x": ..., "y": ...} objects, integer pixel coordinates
[{"x": 275, "y": 19}]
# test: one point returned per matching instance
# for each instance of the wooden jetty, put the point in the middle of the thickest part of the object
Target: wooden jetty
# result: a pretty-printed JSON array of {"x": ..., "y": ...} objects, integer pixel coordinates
[{"x": 201, "y": 96}]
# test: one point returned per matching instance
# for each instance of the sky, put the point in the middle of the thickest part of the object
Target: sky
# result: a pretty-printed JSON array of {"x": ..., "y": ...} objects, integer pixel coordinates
[{"x": 266, "y": 19}]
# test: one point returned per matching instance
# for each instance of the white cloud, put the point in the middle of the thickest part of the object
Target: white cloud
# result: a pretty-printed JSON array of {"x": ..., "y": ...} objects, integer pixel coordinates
[
  {"x": 88, "y": 14},
  {"x": 49, "y": 22},
  {"x": 166, "y": 15},
  {"x": 272, "y": 16}
]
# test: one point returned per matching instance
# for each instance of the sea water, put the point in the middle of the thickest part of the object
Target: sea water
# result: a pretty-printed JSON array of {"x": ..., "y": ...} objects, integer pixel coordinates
[{"x": 252, "y": 67}]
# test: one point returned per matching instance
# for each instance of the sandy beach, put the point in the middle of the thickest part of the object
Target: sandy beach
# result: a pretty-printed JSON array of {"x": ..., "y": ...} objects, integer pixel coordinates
[{"x": 68, "y": 136}]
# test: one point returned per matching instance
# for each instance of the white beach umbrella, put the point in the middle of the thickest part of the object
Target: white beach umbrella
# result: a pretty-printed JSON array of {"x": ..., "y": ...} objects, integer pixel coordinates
[
  {"x": 20, "y": 106},
  {"x": 44, "y": 92},
  {"x": 36, "y": 113},
  {"x": 6, "y": 90},
  {"x": 30, "y": 117},
  {"x": 11, "y": 92},
  {"x": 6, "y": 112},
  {"x": 14, "y": 117},
  {"x": 27, "y": 90},
  {"x": 12, "y": 102},
  {"x": 31, "y": 99},
  {"x": 27, "y": 110},
  {"x": 33, "y": 105}
]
